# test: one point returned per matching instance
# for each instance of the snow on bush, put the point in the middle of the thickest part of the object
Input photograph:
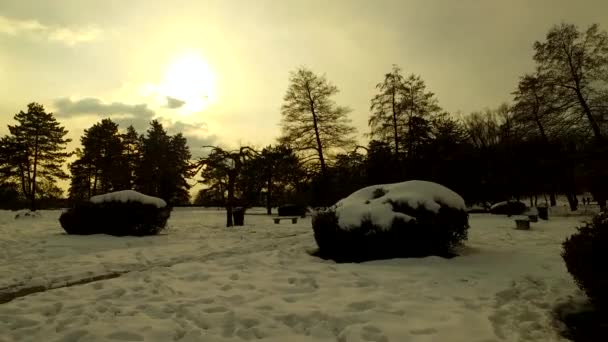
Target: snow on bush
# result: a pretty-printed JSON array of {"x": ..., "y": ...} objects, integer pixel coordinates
[
  {"x": 585, "y": 253},
  {"x": 129, "y": 196},
  {"x": 119, "y": 214},
  {"x": 26, "y": 213},
  {"x": 414, "y": 218}
]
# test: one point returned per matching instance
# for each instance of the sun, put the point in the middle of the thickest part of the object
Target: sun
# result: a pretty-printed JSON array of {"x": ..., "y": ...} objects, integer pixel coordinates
[{"x": 188, "y": 78}]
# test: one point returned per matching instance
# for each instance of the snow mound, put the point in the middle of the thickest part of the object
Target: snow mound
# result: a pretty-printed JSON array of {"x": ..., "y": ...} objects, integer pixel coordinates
[
  {"x": 376, "y": 202},
  {"x": 129, "y": 196},
  {"x": 26, "y": 213}
]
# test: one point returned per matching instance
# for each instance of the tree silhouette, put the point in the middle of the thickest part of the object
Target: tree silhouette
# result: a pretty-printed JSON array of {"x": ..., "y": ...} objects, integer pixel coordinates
[
  {"x": 386, "y": 121},
  {"x": 221, "y": 169},
  {"x": 578, "y": 63},
  {"x": 34, "y": 150},
  {"x": 164, "y": 165},
  {"x": 312, "y": 122}
]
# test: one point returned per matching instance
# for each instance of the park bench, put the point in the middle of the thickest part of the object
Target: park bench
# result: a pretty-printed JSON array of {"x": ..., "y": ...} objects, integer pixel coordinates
[{"x": 294, "y": 219}]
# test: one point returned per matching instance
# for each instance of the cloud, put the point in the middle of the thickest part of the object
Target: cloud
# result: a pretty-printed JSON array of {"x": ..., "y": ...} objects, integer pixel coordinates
[
  {"x": 197, "y": 136},
  {"x": 174, "y": 103},
  {"x": 65, "y": 35},
  {"x": 90, "y": 105},
  {"x": 138, "y": 115}
]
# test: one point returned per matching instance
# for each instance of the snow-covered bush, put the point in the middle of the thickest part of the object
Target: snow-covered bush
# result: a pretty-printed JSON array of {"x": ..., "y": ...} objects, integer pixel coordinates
[
  {"x": 585, "y": 254},
  {"x": 508, "y": 208},
  {"x": 26, "y": 213},
  {"x": 408, "y": 219},
  {"x": 119, "y": 213}
]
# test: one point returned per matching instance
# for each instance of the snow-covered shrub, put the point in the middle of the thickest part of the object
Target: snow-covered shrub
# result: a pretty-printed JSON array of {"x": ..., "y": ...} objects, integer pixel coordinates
[
  {"x": 408, "y": 219},
  {"x": 26, "y": 213},
  {"x": 508, "y": 208},
  {"x": 585, "y": 254},
  {"x": 120, "y": 213}
]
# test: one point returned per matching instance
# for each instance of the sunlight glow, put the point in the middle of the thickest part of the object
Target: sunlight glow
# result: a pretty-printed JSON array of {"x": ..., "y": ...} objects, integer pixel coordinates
[{"x": 189, "y": 78}]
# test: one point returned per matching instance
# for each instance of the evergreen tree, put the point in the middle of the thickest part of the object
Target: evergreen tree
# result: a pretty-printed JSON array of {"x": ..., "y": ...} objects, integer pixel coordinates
[
  {"x": 164, "y": 165},
  {"x": 101, "y": 166},
  {"x": 132, "y": 148},
  {"x": 34, "y": 151},
  {"x": 386, "y": 121}
]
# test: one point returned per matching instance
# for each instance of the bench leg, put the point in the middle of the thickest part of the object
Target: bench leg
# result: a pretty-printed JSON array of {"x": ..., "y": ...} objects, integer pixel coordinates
[
  {"x": 294, "y": 220},
  {"x": 276, "y": 221}
]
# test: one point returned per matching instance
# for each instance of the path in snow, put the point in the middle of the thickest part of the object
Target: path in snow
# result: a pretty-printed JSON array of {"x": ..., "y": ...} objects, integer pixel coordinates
[{"x": 258, "y": 282}]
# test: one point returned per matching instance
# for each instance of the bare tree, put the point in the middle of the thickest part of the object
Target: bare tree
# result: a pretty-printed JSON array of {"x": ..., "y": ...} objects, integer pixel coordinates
[
  {"x": 578, "y": 63},
  {"x": 312, "y": 123}
]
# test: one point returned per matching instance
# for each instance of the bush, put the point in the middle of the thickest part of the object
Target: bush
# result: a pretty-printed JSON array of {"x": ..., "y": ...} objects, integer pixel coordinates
[
  {"x": 585, "y": 253},
  {"x": 508, "y": 208},
  {"x": 292, "y": 210},
  {"x": 115, "y": 218},
  {"x": 428, "y": 233}
]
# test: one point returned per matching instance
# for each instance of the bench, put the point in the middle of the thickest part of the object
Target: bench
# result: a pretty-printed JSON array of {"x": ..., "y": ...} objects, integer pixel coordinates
[{"x": 294, "y": 219}]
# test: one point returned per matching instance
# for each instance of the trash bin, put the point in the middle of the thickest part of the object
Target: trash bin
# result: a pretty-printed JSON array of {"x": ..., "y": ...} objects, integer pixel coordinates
[
  {"x": 238, "y": 216},
  {"x": 543, "y": 213}
]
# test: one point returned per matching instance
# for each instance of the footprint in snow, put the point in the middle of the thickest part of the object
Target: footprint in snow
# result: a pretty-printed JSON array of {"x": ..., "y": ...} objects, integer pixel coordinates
[
  {"x": 361, "y": 306},
  {"x": 125, "y": 336},
  {"x": 373, "y": 334},
  {"x": 426, "y": 331}
]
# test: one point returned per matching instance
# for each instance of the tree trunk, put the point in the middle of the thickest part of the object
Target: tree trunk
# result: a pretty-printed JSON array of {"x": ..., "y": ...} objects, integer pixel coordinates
[
  {"x": 268, "y": 196},
  {"x": 395, "y": 126},
  {"x": 572, "y": 201},
  {"x": 230, "y": 202},
  {"x": 594, "y": 126},
  {"x": 552, "y": 199},
  {"x": 319, "y": 146},
  {"x": 33, "y": 191}
]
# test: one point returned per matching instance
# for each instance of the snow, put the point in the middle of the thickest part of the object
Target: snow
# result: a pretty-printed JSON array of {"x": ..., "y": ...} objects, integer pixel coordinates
[
  {"x": 203, "y": 282},
  {"x": 374, "y": 202},
  {"x": 129, "y": 196},
  {"x": 26, "y": 213}
]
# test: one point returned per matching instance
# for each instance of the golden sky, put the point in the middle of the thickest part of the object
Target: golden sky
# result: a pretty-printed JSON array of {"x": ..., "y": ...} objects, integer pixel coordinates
[{"x": 217, "y": 70}]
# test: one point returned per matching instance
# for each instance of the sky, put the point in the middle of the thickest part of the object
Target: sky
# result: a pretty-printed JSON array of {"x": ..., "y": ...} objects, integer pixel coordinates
[{"x": 217, "y": 71}]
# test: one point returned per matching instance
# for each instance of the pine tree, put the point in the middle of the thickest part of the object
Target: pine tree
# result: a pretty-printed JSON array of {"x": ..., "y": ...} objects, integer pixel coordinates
[
  {"x": 34, "y": 151},
  {"x": 386, "y": 122},
  {"x": 164, "y": 165},
  {"x": 402, "y": 113},
  {"x": 101, "y": 166},
  {"x": 132, "y": 148}
]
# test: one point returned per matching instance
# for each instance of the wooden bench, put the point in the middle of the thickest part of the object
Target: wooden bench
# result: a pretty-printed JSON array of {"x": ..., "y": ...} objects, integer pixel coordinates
[{"x": 294, "y": 219}]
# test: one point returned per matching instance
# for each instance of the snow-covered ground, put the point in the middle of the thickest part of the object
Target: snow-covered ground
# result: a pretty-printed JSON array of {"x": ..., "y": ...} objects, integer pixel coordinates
[{"x": 203, "y": 282}]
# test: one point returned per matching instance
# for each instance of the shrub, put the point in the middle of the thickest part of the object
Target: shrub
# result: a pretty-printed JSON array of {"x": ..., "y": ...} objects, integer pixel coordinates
[
  {"x": 115, "y": 218},
  {"x": 429, "y": 233},
  {"x": 585, "y": 253},
  {"x": 292, "y": 210},
  {"x": 508, "y": 208}
]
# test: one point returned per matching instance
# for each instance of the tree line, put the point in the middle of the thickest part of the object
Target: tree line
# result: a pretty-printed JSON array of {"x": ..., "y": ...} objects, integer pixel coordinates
[{"x": 551, "y": 139}]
